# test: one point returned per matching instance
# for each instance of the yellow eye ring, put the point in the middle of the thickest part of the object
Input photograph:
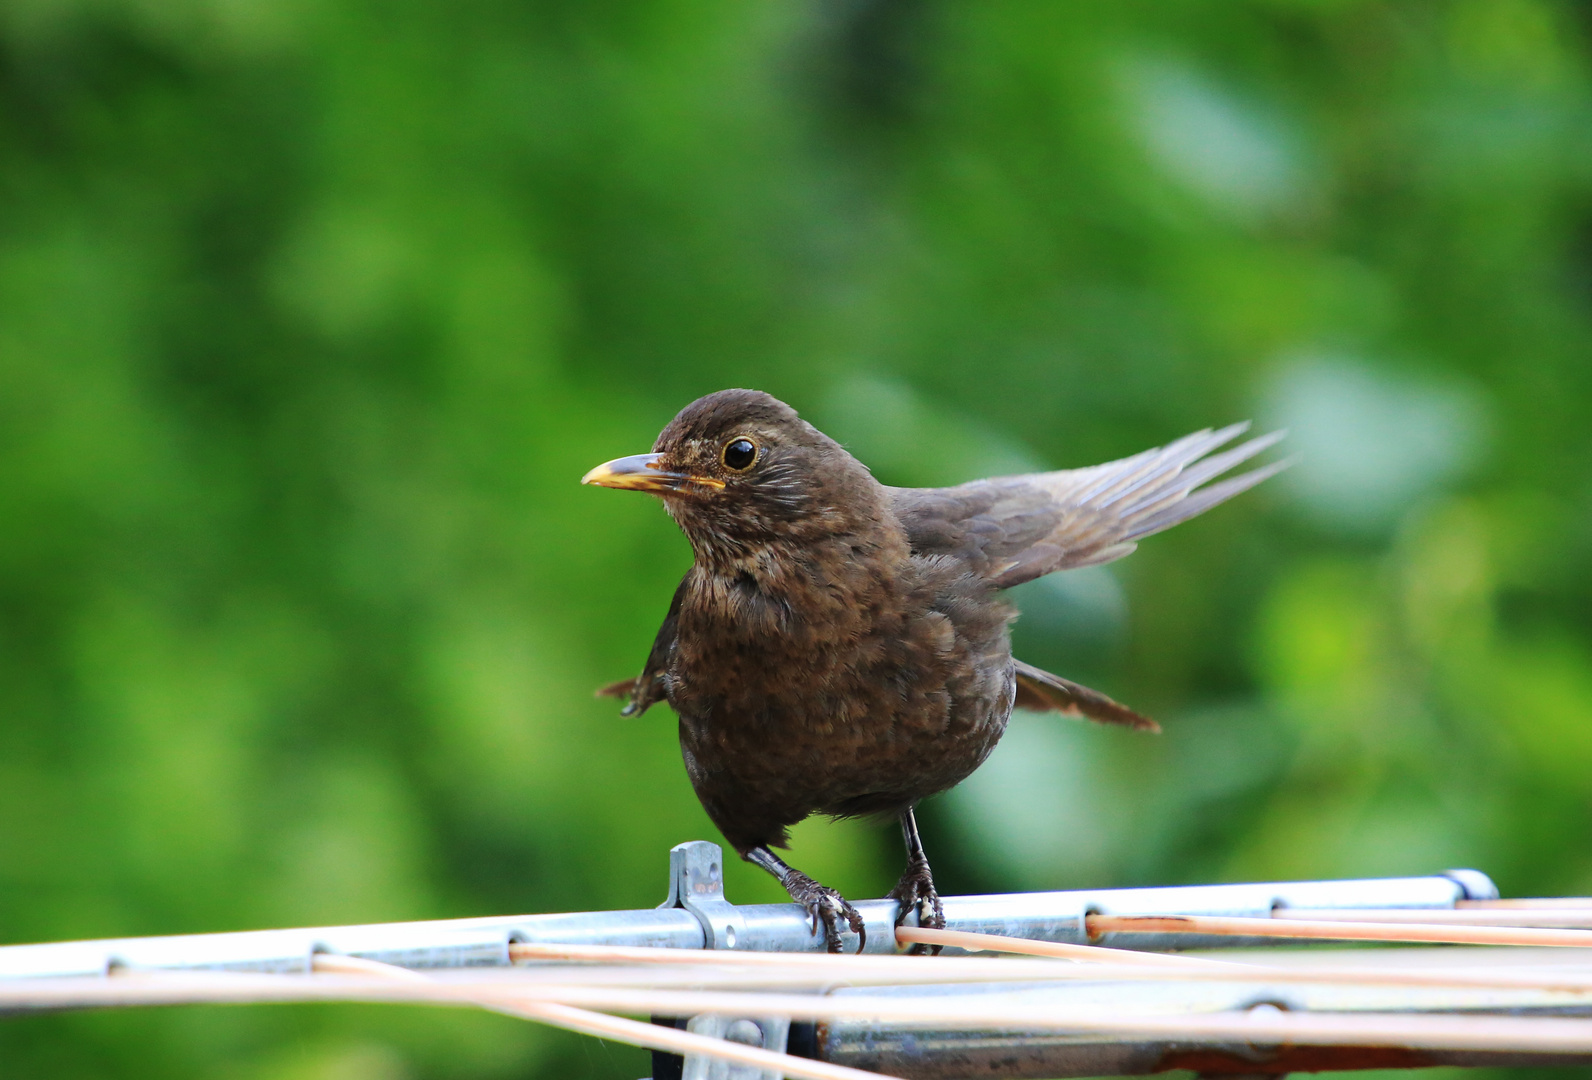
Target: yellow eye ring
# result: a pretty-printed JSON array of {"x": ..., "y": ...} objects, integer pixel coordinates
[{"x": 739, "y": 454}]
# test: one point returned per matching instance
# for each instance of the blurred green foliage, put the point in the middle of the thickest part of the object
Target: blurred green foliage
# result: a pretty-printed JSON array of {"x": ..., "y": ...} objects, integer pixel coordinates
[{"x": 312, "y": 314}]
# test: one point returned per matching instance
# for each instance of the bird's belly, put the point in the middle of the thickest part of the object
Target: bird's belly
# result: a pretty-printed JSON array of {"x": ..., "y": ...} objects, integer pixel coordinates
[
  {"x": 860, "y": 700},
  {"x": 768, "y": 742}
]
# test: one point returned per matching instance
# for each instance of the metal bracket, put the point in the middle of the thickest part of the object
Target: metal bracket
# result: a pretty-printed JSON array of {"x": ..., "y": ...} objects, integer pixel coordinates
[
  {"x": 696, "y": 883},
  {"x": 766, "y": 1032}
]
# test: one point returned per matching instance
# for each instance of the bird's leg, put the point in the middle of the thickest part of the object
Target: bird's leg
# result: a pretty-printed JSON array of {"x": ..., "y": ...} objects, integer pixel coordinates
[
  {"x": 915, "y": 890},
  {"x": 826, "y": 906}
]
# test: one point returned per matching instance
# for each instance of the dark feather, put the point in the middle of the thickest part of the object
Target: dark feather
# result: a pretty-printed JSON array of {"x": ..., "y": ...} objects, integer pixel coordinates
[
  {"x": 624, "y": 688},
  {"x": 648, "y": 688},
  {"x": 1041, "y": 691},
  {"x": 1013, "y": 529}
]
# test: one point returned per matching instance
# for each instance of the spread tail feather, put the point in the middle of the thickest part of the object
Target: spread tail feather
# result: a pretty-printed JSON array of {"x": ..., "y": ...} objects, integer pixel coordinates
[
  {"x": 624, "y": 688},
  {"x": 1041, "y": 691},
  {"x": 638, "y": 695}
]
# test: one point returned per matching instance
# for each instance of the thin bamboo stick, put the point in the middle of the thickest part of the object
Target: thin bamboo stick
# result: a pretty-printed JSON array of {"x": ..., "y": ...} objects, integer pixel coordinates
[
  {"x": 834, "y": 965},
  {"x": 848, "y": 964},
  {"x": 1007, "y": 1012},
  {"x": 866, "y": 969},
  {"x": 647, "y": 1036},
  {"x": 1226, "y": 971},
  {"x": 992, "y": 1011},
  {"x": 1537, "y": 903},
  {"x": 673, "y": 1040},
  {"x": 1547, "y": 917},
  {"x": 339, "y": 964},
  {"x": 962, "y": 939},
  {"x": 207, "y": 987},
  {"x": 948, "y": 970},
  {"x": 1506, "y": 970},
  {"x": 1226, "y": 925},
  {"x": 999, "y": 1012}
]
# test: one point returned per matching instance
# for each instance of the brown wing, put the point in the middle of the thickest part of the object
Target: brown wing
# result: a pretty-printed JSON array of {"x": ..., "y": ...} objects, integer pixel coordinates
[
  {"x": 647, "y": 689},
  {"x": 1012, "y": 529},
  {"x": 1043, "y": 692}
]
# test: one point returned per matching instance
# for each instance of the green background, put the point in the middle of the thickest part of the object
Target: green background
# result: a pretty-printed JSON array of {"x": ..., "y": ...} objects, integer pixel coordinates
[{"x": 313, "y": 312}]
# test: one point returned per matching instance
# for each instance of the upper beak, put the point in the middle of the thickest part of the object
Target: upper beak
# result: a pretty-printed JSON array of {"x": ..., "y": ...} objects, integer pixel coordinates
[{"x": 641, "y": 472}]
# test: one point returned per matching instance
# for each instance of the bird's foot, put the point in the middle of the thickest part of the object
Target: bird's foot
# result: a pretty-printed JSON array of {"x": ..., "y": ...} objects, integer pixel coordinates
[
  {"x": 915, "y": 892},
  {"x": 826, "y": 908}
]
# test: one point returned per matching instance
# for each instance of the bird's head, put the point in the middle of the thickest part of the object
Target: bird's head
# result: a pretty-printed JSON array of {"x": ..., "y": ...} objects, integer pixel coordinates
[{"x": 739, "y": 468}]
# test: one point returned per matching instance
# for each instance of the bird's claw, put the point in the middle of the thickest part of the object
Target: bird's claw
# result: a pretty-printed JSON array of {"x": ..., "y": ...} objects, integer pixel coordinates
[
  {"x": 826, "y": 908},
  {"x": 915, "y": 893}
]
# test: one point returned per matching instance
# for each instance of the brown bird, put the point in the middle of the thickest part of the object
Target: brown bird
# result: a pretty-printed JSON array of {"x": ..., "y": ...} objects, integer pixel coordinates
[{"x": 841, "y": 647}]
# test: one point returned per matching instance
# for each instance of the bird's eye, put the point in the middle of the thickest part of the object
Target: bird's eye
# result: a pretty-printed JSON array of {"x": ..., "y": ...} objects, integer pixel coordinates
[{"x": 739, "y": 454}]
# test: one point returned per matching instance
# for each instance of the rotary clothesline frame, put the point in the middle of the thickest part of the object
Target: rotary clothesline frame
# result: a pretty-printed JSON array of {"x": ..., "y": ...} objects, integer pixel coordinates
[{"x": 1095, "y": 997}]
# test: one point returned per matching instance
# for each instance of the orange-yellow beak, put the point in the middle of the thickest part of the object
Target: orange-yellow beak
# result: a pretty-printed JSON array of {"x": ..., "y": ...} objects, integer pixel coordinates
[{"x": 642, "y": 472}]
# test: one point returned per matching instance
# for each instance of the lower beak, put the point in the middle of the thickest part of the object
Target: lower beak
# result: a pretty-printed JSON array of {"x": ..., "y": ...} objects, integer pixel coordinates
[{"x": 642, "y": 472}]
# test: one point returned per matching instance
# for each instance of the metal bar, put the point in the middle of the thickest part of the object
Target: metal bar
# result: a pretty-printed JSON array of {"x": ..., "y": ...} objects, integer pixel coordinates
[
  {"x": 916, "y": 1054},
  {"x": 1046, "y": 916},
  {"x": 441, "y": 944},
  {"x": 914, "y": 1051},
  {"x": 1011, "y": 1029},
  {"x": 945, "y": 1040}
]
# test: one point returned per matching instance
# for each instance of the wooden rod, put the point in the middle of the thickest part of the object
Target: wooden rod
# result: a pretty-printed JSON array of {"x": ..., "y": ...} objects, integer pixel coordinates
[
  {"x": 832, "y": 965},
  {"x": 339, "y": 964},
  {"x": 1174, "y": 967},
  {"x": 974, "y": 1011},
  {"x": 618, "y": 1028},
  {"x": 1548, "y": 917},
  {"x": 1329, "y": 930},
  {"x": 1004, "y": 1012},
  {"x": 1501, "y": 972},
  {"x": 1528, "y": 903},
  {"x": 962, "y": 939},
  {"x": 673, "y": 1040}
]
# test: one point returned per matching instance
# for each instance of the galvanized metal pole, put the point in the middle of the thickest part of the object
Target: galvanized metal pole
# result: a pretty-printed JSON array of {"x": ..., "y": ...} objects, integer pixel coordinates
[{"x": 697, "y": 915}]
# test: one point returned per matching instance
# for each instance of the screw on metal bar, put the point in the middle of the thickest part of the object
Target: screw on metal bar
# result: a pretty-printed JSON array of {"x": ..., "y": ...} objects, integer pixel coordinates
[{"x": 696, "y": 883}]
